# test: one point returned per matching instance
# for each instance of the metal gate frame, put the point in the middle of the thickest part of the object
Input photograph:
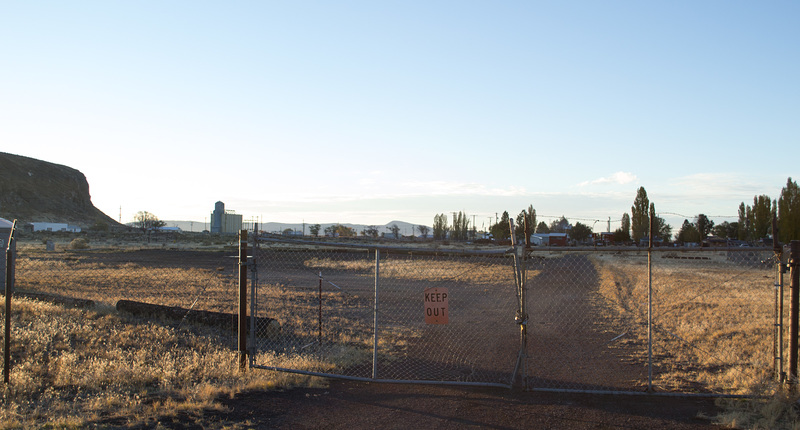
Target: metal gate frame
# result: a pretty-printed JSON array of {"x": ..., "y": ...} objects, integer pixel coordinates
[
  {"x": 519, "y": 375},
  {"x": 250, "y": 264}
]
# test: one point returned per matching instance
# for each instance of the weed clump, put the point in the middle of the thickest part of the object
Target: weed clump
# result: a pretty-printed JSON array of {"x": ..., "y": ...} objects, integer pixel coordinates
[{"x": 79, "y": 243}]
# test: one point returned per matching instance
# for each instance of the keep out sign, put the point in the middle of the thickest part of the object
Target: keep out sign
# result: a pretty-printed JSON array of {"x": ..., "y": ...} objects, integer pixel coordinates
[{"x": 436, "y": 311}]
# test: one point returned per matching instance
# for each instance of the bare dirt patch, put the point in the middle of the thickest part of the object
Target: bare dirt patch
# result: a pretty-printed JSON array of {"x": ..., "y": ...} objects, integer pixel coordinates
[{"x": 368, "y": 405}]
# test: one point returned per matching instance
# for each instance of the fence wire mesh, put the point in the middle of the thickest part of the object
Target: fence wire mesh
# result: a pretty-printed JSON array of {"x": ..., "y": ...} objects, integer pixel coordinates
[
  {"x": 322, "y": 308},
  {"x": 180, "y": 283},
  {"x": 711, "y": 313},
  {"x": 331, "y": 314}
]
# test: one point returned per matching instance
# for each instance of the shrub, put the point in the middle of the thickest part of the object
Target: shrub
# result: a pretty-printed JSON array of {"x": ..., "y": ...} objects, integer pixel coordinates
[{"x": 79, "y": 243}]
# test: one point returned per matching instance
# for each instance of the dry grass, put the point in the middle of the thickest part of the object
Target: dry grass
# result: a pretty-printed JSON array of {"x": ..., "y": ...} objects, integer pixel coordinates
[
  {"x": 81, "y": 275},
  {"x": 712, "y": 319},
  {"x": 714, "y": 328},
  {"x": 425, "y": 269},
  {"x": 79, "y": 368},
  {"x": 713, "y": 331}
]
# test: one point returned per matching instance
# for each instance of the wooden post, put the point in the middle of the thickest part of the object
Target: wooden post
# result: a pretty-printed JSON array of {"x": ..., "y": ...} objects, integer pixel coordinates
[
  {"x": 242, "y": 300},
  {"x": 794, "y": 267}
]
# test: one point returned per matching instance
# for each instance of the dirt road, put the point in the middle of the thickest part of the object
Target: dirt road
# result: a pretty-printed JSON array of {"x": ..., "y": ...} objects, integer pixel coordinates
[{"x": 397, "y": 406}]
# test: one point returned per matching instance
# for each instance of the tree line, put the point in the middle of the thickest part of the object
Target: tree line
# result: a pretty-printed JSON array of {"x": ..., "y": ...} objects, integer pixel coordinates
[{"x": 754, "y": 223}]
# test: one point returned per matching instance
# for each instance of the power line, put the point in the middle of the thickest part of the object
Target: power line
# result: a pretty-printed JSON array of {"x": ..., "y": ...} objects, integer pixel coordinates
[{"x": 693, "y": 216}]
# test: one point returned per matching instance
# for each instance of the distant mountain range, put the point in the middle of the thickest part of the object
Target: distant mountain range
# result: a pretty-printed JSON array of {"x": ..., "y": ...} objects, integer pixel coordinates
[{"x": 406, "y": 229}]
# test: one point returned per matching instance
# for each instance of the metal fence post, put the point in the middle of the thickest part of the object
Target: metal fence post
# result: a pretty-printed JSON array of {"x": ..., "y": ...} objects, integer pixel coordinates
[
  {"x": 242, "y": 300},
  {"x": 10, "y": 258},
  {"x": 650, "y": 302},
  {"x": 777, "y": 353},
  {"x": 375, "y": 316},
  {"x": 253, "y": 295},
  {"x": 794, "y": 267},
  {"x": 521, "y": 316}
]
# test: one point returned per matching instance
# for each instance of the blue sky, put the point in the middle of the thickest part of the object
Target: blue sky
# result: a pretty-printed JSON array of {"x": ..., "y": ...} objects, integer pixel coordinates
[{"x": 368, "y": 112}]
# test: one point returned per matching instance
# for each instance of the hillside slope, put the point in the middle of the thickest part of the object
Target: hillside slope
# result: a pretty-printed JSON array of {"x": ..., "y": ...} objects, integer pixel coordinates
[{"x": 33, "y": 190}]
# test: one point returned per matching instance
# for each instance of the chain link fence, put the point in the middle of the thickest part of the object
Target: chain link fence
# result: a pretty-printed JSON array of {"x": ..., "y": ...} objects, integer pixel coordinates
[
  {"x": 697, "y": 321},
  {"x": 180, "y": 284},
  {"x": 692, "y": 321},
  {"x": 674, "y": 320},
  {"x": 386, "y": 313}
]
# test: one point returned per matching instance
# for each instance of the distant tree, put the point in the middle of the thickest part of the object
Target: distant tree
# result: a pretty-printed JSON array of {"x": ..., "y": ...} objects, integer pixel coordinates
[
  {"x": 339, "y": 230},
  {"x": 146, "y": 221},
  {"x": 525, "y": 224},
  {"x": 703, "y": 225},
  {"x": 561, "y": 225},
  {"x": 395, "y": 230},
  {"x": 742, "y": 224},
  {"x": 519, "y": 225},
  {"x": 726, "y": 230},
  {"x": 688, "y": 233},
  {"x": 789, "y": 212},
  {"x": 580, "y": 232},
  {"x": 530, "y": 225},
  {"x": 371, "y": 231},
  {"x": 460, "y": 229},
  {"x": 440, "y": 227},
  {"x": 345, "y": 231},
  {"x": 621, "y": 236},
  {"x": 640, "y": 219},
  {"x": 625, "y": 228},
  {"x": 287, "y": 232},
  {"x": 542, "y": 228},
  {"x": 314, "y": 230},
  {"x": 662, "y": 229},
  {"x": 761, "y": 217},
  {"x": 423, "y": 230},
  {"x": 501, "y": 230}
]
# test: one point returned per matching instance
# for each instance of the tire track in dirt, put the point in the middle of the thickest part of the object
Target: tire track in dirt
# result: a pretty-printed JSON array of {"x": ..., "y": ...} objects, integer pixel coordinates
[{"x": 569, "y": 337}]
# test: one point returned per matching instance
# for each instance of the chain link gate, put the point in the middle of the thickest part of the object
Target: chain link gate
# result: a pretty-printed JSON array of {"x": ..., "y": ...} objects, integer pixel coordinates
[
  {"x": 667, "y": 320},
  {"x": 614, "y": 320},
  {"x": 384, "y": 313}
]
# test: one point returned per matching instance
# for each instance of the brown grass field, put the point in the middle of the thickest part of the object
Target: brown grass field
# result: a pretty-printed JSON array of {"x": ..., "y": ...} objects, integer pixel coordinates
[
  {"x": 83, "y": 367},
  {"x": 712, "y": 318}
]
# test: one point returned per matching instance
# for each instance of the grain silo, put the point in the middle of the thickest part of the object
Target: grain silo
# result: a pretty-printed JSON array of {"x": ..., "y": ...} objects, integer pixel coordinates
[
  {"x": 216, "y": 217},
  {"x": 223, "y": 221}
]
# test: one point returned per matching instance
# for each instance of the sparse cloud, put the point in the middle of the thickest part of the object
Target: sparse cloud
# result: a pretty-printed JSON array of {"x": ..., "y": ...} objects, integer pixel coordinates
[{"x": 620, "y": 178}]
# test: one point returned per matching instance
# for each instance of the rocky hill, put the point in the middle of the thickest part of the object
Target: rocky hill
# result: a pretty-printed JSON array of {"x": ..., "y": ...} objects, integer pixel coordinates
[{"x": 33, "y": 190}]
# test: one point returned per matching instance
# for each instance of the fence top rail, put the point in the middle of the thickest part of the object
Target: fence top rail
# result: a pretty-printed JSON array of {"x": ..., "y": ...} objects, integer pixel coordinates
[
  {"x": 645, "y": 249},
  {"x": 421, "y": 249}
]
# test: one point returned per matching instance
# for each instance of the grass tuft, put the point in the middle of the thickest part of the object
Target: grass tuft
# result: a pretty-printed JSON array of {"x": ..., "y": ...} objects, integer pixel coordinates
[{"x": 74, "y": 368}]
